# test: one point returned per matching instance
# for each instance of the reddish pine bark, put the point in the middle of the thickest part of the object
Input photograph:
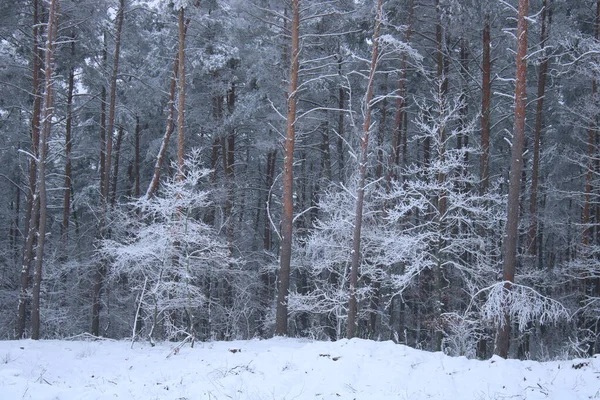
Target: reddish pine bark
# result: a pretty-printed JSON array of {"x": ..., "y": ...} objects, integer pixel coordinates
[
  {"x": 512, "y": 221},
  {"x": 32, "y": 201},
  {"x": 287, "y": 215}
]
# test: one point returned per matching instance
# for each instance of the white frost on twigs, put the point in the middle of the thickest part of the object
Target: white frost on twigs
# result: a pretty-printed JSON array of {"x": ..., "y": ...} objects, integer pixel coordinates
[{"x": 522, "y": 303}]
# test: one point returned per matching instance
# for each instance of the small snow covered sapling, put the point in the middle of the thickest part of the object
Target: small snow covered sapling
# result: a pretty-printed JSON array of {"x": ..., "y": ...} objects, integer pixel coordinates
[{"x": 168, "y": 253}]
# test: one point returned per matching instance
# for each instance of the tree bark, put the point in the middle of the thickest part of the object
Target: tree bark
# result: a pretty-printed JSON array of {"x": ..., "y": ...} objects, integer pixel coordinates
[
  {"x": 486, "y": 95},
  {"x": 591, "y": 149},
  {"x": 168, "y": 131},
  {"x": 533, "y": 227},
  {"x": 115, "y": 175},
  {"x": 340, "y": 139},
  {"x": 512, "y": 220},
  {"x": 397, "y": 139},
  {"x": 364, "y": 158},
  {"x": 181, "y": 95},
  {"x": 287, "y": 215},
  {"x": 68, "y": 148},
  {"x": 138, "y": 132},
  {"x": 229, "y": 160},
  {"x": 32, "y": 200},
  {"x": 113, "y": 100},
  {"x": 103, "y": 117},
  {"x": 46, "y": 120},
  {"x": 101, "y": 269}
]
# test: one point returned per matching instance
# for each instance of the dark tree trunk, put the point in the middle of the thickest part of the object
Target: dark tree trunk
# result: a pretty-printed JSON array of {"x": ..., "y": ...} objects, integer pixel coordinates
[
  {"x": 228, "y": 164},
  {"x": 138, "y": 132},
  {"x": 68, "y": 148},
  {"x": 101, "y": 269},
  {"x": 181, "y": 95},
  {"x": 438, "y": 272},
  {"x": 168, "y": 130},
  {"x": 533, "y": 227},
  {"x": 115, "y": 175},
  {"x": 591, "y": 150},
  {"x": 103, "y": 117},
  {"x": 340, "y": 139},
  {"x": 486, "y": 95},
  {"x": 397, "y": 137}
]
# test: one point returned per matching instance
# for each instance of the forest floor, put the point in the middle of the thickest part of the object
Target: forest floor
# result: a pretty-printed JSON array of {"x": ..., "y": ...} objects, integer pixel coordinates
[{"x": 278, "y": 369}]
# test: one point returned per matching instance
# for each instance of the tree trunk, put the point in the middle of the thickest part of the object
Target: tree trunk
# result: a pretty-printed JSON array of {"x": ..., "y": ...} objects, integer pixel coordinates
[
  {"x": 115, "y": 175},
  {"x": 168, "y": 131},
  {"x": 136, "y": 191},
  {"x": 229, "y": 160},
  {"x": 364, "y": 158},
  {"x": 46, "y": 120},
  {"x": 340, "y": 139},
  {"x": 512, "y": 220},
  {"x": 32, "y": 204},
  {"x": 113, "y": 99},
  {"x": 181, "y": 94},
  {"x": 587, "y": 234},
  {"x": 486, "y": 95},
  {"x": 287, "y": 214},
  {"x": 438, "y": 270},
  {"x": 103, "y": 117},
  {"x": 533, "y": 227},
  {"x": 397, "y": 139},
  {"x": 101, "y": 269},
  {"x": 68, "y": 148}
]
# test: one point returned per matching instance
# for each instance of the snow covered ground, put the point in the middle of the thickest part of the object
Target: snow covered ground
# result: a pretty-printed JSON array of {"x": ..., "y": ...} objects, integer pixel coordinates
[{"x": 278, "y": 369}]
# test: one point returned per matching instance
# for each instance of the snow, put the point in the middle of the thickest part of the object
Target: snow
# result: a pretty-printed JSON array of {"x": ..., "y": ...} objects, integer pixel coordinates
[{"x": 278, "y": 369}]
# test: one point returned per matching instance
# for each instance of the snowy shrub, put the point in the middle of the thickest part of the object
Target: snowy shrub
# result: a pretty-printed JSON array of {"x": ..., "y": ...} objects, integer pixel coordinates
[
  {"x": 170, "y": 257},
  {"x": 461, "y": 334}
]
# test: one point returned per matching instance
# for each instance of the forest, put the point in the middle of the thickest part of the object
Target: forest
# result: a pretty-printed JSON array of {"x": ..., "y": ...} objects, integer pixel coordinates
[{"x": 422, "y": 171}]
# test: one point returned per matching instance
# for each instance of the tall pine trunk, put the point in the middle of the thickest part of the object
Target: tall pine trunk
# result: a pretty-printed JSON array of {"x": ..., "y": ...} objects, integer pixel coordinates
[
  {"x": 512, "y": 220},
  {"x": 101, "y": 268},
  {"x": 287, "y": 215},
  {"x": 32, "y": 200},
  {"x": 46, "y": 120}
]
